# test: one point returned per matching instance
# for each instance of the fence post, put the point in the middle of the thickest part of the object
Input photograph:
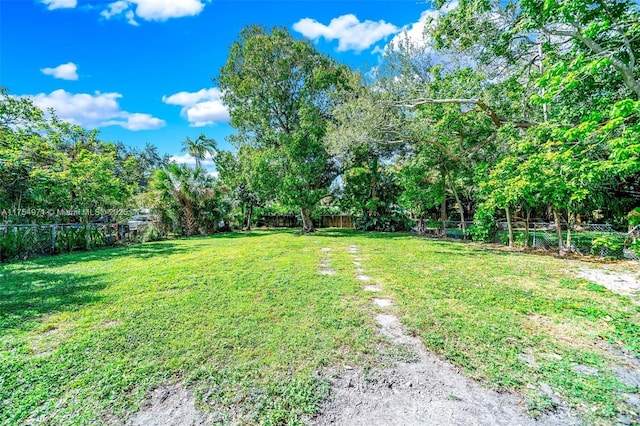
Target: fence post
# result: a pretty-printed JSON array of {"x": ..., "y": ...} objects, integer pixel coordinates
[
  {"x": 53, "y": 238},
  {"x": 534, "y": 235}
]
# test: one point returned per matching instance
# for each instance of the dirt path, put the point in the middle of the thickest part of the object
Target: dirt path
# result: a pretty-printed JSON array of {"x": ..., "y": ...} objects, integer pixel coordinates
[
  {"x": 427, "y": 391},
  {"x": 423, "y": 391},
  {"x": 171, "y": 405},
  {"x": 625, "y": 282}
]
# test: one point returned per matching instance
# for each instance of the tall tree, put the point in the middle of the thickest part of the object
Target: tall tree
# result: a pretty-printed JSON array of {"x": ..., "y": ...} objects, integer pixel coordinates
[
  {"x": 246, "y": 175},
  {"x": 199, "y": 148},
  {"x": 277, "y": 90}
]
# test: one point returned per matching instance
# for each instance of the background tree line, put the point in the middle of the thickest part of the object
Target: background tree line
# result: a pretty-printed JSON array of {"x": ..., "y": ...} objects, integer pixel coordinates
[
  {"x": 501, "y": 109},
  {"x": 526, "y": 109},
  {"x": 52, "y": 171}
]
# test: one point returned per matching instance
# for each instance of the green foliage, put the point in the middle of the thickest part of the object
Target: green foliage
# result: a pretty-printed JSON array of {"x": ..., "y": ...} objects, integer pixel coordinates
[
  {"x": 608, "y": 246},
  {"x": 325, "y": 210},
  {"x": 422, "y": 187},
  {"x": 63, "y": 172},
  {"x": 277, "y": 90},
  {"x": 390, "y": 222},
  {"x": 484, "y": 226},
  {"x": 634, "y": 217},
  {"x": 152, "y": 233},
  {"x": 199, "y": 148},
  {"x": 371, "y": 194},
  {"x": 189, "y": 201},
  {"x": 577, "y": 133},
  {"x": 24, "y": 241},
  {"x": 15, "y": 242}
]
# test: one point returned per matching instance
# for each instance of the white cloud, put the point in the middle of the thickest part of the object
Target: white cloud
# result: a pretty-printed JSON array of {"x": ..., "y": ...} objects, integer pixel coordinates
[
  {"x": 348, "y": 30},
  {"x": 201, "y": 108},
  {"x": 189, "y": 160},
  {"x": 68, "y": 71},
  {"x": 161, "y": 10},
  {"x": 131, "y": 18},
  {"x": 94, "y": 110},
  {"x": 60, "y": 4},
  {"x": 154, "y": 10},
  {"x": 414, "y": 32},
  {"x": 136, "y": 121},
  {"x": 115, "y": 8}
]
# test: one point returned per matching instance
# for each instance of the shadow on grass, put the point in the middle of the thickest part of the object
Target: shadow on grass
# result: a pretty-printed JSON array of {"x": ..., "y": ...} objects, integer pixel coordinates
[
  {"x": 27, "y": 295},
  {"x": 160, "y": 248},
  {"x": 345, "y": 233},
  {"x": 137, "y": 250}
]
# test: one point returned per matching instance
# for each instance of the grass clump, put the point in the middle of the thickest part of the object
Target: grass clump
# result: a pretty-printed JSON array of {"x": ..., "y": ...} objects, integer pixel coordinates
[
  {"x": 246, "y": 321},
  {"x": 90, "y": 334}
]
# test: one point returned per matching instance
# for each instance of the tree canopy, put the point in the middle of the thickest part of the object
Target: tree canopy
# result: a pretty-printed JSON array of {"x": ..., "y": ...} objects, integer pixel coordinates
[{"x": 278, "y": 93}]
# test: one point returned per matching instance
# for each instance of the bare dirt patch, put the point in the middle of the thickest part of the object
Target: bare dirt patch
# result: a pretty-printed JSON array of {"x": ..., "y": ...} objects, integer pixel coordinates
[
  {"x": 426, "y": 392},
  {"x": 324, "y": 263},
  {"x": 171, "y": 405},
  {"x": 374, "y": 288},
  {"x": 621, "y": 282},
  {"x": 571, "y": 334},
  {"x": 111, "y": 324},
  {"x": 382, "y": 303}
]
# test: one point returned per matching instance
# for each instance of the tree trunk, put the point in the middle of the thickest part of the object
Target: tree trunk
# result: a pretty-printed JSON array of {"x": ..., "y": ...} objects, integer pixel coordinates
[
  {"x": 507, "y": 211},
  {"x": 527, "y": 219},
  {"x": 460, "y": 210},
  {"x": 443, "y": 206},
  {"x": 87, "y": 239},
  {"x": 189, "y": 220},
  {"x": 570, "y": 222},
  {"x": 558, "y": 223},
  {"x": 374, "y": 185},
  {"x": 307, "y": 222},
  {"x": 249, "y": 215}
]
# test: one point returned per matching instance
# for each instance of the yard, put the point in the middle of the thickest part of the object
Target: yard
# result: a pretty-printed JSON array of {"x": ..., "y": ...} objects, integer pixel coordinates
[{"x": 247, "y": 322}]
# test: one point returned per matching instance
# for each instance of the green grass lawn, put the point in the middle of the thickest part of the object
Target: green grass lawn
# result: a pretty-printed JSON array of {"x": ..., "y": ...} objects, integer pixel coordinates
[{"x": 246, "y": 321}]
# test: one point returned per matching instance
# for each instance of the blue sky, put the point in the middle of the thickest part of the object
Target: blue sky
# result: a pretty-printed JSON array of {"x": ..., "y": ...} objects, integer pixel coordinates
[{"x": 141, "y": 70}]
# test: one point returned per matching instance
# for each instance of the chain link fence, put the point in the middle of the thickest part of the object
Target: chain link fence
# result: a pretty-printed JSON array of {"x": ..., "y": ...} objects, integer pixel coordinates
[
  {"x": 596, "y": 239},
  {"x": 587, "y": 239},
  {"x": 23, "y": 241}
]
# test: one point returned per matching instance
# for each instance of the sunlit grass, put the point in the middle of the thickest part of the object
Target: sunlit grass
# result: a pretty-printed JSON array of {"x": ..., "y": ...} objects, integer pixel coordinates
[
  {"x": 513, "y": 321},
  {"x": 89, "y": 334},
  {"x": 247, "y": 322}
]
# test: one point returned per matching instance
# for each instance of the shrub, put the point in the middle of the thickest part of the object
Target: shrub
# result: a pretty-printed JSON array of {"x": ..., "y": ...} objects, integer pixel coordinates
[
  {"x": 152, "y": 233},
  {"x": 608, "y": 246},
  {"x": 484, "y": 226},
  {"x": 392, "y": 222}
]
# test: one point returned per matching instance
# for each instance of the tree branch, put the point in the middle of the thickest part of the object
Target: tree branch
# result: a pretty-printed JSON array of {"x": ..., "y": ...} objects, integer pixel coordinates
[
  {"x": 625, "y": 71},
  {"x": 497, "y": 120}
]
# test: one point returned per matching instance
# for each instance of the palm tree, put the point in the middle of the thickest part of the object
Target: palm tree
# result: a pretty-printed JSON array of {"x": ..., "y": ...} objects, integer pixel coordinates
[
  {"x": 184, "y": 192},
  {"x": 199, "y": 148}
]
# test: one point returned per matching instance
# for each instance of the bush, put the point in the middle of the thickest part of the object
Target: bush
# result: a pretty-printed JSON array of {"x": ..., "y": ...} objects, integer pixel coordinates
[
  {"x": 152, "y": 233},
  {"x": 608, "y": 246},
  {"x": 384, "y": 223},
  {"x": 635, "y": 247},
  {"x": 484, "y": 226}
]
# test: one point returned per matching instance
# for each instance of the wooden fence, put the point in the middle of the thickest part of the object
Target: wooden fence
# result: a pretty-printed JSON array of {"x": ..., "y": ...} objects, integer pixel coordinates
[
  {"x": 293, "y": 221},
  {"x": 336, "y": 221}
]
